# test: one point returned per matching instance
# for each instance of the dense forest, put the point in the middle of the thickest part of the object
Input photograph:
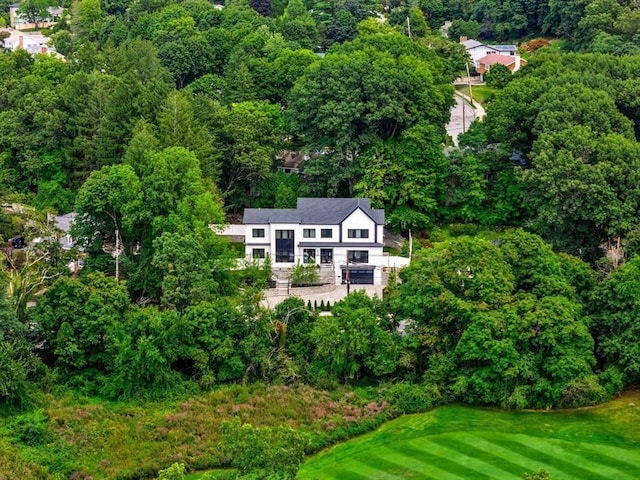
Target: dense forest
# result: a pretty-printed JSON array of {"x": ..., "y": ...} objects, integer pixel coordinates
[{"x": 165, "y": 117}]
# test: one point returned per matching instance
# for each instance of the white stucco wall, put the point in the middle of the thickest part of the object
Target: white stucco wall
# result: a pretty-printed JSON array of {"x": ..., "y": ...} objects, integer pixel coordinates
[
  {"x": 360, "y": 221},
  {"x": 479, "y": 52},
  {"x": 339, "y": 242}
]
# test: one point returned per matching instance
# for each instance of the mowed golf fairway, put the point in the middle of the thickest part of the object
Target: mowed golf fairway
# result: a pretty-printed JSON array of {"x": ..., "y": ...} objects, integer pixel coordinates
[{"x": 452, "y": 443}]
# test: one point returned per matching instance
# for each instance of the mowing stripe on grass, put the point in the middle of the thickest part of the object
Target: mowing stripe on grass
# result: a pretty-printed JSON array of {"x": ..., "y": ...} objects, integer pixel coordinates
[
  {"x": 382, "y": 466},
  {"x": 475, "y": 449},
  {"x": 416, "y": 468},
  {"x": 482, "y": 441},
  {"x": 386, "y": 463},
  {"x": 568, "y": 452},
  {"x": 510, "y": 442},
  {"x": 621, "y": 459},
  {"x": 352, "y": 470},
  {"x": 436, "y": 446},
  {"x": 345, "y": 474},
  {"x": 480, "y": 444},
  {"x": 443, "y": 462},
  {"x": 357, "y": 472}
]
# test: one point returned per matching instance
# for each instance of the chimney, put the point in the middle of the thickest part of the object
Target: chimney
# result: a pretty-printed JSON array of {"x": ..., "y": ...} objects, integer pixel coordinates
[
  {"x": 21, "y": 41},
  {"x": 463, "y": 39}
]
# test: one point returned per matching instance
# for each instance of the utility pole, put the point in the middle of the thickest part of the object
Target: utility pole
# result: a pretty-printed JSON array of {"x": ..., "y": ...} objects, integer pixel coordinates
[
  {"x": 469, "y": 84},
  {"x": 409, "y": 26},
  {"x": 117, "y": 254},
  {"x": 463, "y": 115},
  {"x": 348, "y": 280}
]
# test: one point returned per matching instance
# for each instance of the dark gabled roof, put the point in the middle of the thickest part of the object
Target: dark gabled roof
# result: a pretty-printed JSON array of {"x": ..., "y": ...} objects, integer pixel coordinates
[
  {"x": 471, "y": 44},
  {"x": 314, "y": 211}
]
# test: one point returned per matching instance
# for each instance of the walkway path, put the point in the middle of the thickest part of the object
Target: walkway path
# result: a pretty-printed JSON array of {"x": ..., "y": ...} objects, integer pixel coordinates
[
  {"x": 462, "y": 115},
  {"x": 479, "y": 109}
]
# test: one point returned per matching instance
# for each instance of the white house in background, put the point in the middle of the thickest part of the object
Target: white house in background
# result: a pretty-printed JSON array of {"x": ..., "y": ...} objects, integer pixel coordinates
[
  {"x": 19, "y": 22},
  {"x": 32, "y": 42},
  {"x": 512, "y": 63},
  {"x": 63, "y": 223},
  {"x": 481, "y": 53},
  {"x": 333, "y": 233}
]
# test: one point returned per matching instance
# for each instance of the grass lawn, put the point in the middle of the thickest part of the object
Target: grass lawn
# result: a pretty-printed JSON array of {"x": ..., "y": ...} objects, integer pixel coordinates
[
  {"x": 481, "y": 93},
  {"x": 457, "y": 442},
  {"x": 558, "y": 44}
]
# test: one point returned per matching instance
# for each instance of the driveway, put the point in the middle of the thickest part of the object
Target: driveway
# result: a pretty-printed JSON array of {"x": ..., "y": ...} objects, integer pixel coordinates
[
  {"x": 329, "y": 293},
  {"x": 462, "y": 115}
]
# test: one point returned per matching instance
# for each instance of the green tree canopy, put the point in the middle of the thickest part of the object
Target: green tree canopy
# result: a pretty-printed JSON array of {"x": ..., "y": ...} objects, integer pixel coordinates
[
  {"x": 371, "y": 90},
  {"x": 353, "y": 342},
  {"x": 499, "y": 323},
  {"x": 108, "y": 207},
  {"x": 74, "y": 320},
  {"x": 263, "y": 452},
  {"x": 615, "y": 320}
]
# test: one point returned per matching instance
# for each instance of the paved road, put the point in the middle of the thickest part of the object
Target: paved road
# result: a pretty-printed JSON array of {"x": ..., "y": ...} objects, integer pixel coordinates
[{"x": 462, "y": 114}]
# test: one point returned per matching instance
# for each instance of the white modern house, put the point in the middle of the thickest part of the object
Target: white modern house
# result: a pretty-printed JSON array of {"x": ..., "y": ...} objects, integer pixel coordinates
[
  {"x": 483, "y": 55},
  {"x": 341, "y": 234}
]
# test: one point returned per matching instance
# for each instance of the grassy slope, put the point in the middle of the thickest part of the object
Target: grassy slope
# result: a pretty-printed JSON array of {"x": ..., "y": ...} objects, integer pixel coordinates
[
  {"x": 90, "y": 437},
  {"x": 463, "y": 443}
]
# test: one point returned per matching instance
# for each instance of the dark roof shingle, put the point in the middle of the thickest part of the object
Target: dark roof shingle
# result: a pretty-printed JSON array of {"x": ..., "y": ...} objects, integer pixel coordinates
[{"x": 310, "y": 211}]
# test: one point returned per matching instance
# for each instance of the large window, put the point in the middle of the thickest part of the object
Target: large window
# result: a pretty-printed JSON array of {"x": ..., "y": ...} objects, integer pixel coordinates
[
  {"x": 326, "y": 233},
  {"x": 284, "y": 246},
  {"x": 326, "y": 255},
  {"x": 357, "y": 233},
  {"x": 284, "y": 234},
  {"x": 358, "y": 256},
  {"x": 309, "y": 233},
  {"x": 258, "y": 233},
  {"x": 309, "y": 255},
  {"x": 258, "y": 253}
]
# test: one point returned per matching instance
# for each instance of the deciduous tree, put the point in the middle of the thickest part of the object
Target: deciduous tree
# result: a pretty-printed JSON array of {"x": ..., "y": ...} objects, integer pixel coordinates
[
  {"x": 615, "y": 320},
  {"x": 35, "y": 11}
]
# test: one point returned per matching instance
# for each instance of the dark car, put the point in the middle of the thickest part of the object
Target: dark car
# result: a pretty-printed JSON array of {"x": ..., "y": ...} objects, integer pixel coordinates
[{"x": 18, "y": 242}]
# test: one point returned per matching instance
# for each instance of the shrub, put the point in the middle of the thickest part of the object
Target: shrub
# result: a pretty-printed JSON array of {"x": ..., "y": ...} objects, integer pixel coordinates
[
  {"x": 612, "y": 380},
  {"x": 534, "y": 45},
  {"x": 537, "y": 475},
  {"x": 174, "y": 472},
  {"x": 459, "y": 229},
  {"x": 263, "y": 452},
  {"x": 583, "y": 391},
  {"x": 31, "y": 428},
  {"x": 412, "y": 398},
  {"x": 304, "y": 275}
]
